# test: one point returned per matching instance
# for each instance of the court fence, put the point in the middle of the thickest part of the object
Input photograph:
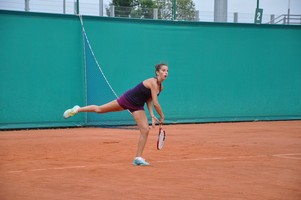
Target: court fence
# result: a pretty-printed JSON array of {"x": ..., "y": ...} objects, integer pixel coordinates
[
  {"x": 217, "y": 71},
  {"x": 101, "y": 9}
]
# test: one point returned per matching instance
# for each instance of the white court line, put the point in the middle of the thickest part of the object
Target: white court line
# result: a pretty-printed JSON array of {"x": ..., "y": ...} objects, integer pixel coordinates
[
  {"x": 288, "y": 156},
  {"x": 63, "y": 168},
  {"x": 59, "y": 168},
  {"x": 208, "y": 158},
  {"x": 293, "y": 156}
]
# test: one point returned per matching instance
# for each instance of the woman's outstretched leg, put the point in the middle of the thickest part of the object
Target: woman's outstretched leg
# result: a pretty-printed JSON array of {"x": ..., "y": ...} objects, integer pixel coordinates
[{"x": 112, "y": 106}]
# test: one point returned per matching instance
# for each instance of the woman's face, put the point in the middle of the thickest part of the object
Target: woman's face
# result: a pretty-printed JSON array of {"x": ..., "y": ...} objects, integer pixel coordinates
[{"x": 163, "y": 72}]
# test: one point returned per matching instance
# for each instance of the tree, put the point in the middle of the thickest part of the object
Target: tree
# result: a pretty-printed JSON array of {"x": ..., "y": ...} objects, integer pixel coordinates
[
  {"x": 165, "y": 9},
  {"x": 185, "y": 9},
  {"x": 122, "y": 8},
  {"x": 144, "y": 9}
]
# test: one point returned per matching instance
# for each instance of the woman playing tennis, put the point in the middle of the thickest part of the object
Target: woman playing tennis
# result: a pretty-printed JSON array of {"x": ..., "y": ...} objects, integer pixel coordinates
[{"x": 134, "y": 100}]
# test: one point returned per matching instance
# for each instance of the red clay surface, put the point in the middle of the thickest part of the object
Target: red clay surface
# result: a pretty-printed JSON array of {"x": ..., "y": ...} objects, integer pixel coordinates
[{"x": 256, "y": 160}]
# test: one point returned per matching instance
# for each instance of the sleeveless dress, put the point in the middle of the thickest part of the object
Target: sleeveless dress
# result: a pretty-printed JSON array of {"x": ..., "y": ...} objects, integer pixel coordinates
[{"x": 135, "y": 98}]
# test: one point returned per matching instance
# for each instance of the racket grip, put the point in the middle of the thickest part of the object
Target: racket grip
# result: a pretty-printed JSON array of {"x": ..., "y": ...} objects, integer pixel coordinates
[{"x": 160, "y": 123}]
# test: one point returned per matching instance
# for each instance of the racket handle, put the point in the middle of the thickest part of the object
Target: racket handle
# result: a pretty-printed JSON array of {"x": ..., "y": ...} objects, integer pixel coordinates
[{"x": 160, "y": 123}]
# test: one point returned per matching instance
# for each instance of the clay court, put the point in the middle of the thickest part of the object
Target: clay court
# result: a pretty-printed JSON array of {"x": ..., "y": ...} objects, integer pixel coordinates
[{"x": 250, "y": 160}]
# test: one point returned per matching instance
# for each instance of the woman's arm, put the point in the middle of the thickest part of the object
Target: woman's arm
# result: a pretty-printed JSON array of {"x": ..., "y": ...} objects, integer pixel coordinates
[
  {"x": 150, "y": 109},
  {"x": 154, "y": 91}
]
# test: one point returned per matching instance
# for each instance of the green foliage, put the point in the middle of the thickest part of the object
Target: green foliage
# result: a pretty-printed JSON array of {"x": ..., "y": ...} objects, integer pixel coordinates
[
  {"x": 145, "y": 8},
  {"x": 185, "y": 10},
  {"x": 122, "y": 7}
]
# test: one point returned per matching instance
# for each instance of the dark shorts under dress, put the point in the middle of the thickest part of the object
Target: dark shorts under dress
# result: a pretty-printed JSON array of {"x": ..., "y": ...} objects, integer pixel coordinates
[
  {"x": 124, "y": 103},
  {"x": 134, "y": 99}
]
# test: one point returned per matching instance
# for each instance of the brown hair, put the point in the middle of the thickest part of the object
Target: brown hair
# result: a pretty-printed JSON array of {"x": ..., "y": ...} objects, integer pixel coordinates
[{"x": 159, "y": 66}]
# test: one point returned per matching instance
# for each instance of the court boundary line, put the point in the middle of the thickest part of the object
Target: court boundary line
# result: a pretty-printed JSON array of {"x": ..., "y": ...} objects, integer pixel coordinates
[
  {"x": 285, "y": 156},
  {"x": 289, "y": 156}
]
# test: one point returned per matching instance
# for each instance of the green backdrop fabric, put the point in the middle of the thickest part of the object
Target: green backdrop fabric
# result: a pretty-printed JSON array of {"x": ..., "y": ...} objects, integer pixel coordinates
[
  {"x": 41, "y": 69},
  {"x": 217, "y": 71}
]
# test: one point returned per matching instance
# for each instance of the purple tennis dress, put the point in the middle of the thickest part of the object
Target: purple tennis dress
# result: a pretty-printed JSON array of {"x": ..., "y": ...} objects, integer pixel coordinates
[{"x": 134, "y": 99}]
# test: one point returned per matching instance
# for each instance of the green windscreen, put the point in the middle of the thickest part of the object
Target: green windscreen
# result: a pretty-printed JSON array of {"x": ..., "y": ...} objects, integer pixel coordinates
[{"x": 217, "y": 72}]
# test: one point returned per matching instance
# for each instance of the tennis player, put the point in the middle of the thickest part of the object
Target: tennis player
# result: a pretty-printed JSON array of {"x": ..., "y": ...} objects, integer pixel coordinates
[{"x": 134, "y": 101}]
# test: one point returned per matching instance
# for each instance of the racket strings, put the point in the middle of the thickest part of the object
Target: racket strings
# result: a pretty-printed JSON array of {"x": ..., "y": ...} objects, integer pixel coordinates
[{"x": 161, "y": 139}]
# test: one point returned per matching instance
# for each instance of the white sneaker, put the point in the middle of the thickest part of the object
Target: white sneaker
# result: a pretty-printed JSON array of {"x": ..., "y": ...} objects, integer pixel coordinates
[
  {"x": 138, "y": 161},
  {"x": 71, "y": 112}
]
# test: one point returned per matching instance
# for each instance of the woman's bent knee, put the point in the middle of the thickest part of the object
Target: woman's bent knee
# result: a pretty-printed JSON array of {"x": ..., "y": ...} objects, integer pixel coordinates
[{"x": 144, "y": 130}]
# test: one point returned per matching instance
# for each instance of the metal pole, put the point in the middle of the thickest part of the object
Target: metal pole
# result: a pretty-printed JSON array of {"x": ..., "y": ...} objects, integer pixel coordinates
[
  {"x": 155, "y": 13},
  {"x": 220, "y": 10},
  {"x": 272, "y": 20},
  {"x": 258, "y": 14},
  {"x": 197, "y": 15},
  {"x": 288, "y": 12},
  {"x": 174, "y": 9},
  {"x": 64, "y": 6},
  {"x": 100, "y": 7},
  {"x": 27, "y": 5},
  {"x": 77, "y": 5},
  {"x": 235, "y": 20},
  {"x": 112, "y": 11}
]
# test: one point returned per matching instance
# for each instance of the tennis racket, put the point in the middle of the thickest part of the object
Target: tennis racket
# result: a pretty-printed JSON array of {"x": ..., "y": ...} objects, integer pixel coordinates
[
  {"x": 161, "y": 138},
  {"x": 161, "y": 135}
]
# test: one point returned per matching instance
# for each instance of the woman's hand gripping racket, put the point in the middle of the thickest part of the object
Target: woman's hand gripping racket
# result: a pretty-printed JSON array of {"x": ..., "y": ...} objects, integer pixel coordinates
[{"x": 161, "y": 135}]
